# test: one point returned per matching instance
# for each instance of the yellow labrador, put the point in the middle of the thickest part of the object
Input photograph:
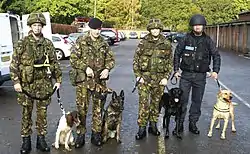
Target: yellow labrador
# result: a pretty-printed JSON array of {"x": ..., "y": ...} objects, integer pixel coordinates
[{"x": 223, "y": 109}]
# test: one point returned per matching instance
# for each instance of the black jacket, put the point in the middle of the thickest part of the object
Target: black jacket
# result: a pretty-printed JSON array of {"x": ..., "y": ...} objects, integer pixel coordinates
[{"x": 196, "y": 53}]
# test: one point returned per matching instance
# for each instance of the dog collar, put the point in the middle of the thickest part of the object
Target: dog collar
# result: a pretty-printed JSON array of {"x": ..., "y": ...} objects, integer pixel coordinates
[{"x": 221, "y": 110}]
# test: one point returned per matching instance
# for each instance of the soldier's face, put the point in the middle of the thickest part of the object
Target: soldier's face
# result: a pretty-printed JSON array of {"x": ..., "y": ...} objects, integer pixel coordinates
[
  {"x": 198, "y": 28},
  {"x": 155, "y": 32},
  {"x": 37, "y": 28},
  {"x": 95, "y": 32}
]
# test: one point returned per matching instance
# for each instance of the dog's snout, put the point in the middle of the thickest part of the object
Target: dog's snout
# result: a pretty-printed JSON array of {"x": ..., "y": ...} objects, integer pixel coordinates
[
  {"x": 176, "y": 100},
  {"x": 230, "y": 97}
]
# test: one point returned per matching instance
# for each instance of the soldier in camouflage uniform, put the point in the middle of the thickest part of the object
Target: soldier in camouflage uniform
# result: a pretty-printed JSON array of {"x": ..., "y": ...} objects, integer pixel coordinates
[
  {"x": 92, "y": 59},
  {"x": 32, "y": 67},
  {"x": 152, "y": 67}
]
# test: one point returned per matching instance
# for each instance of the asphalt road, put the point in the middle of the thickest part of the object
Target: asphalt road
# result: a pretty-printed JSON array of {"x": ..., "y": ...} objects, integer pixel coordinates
[{"x": 235, "y": 75}]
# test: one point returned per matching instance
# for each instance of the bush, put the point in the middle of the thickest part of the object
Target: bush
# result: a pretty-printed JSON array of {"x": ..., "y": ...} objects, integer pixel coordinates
[{"x": 63, "y": 29}]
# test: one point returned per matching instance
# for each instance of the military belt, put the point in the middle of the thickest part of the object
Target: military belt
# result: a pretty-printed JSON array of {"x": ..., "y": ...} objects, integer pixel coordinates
[{"x": 39, "y": 98}]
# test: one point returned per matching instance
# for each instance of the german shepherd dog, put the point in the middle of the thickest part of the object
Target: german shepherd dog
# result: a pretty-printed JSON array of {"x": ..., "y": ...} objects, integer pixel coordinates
[
  {"x": 171, "y": 103},
  {"x": 113, "y": 117}
]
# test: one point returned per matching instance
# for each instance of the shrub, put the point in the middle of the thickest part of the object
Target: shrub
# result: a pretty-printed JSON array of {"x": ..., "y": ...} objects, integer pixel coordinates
[{"x": 63, "y": 29}]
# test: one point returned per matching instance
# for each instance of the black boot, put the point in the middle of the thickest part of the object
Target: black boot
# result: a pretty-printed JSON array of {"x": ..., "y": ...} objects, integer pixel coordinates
[
  {"x": 96, "y": 139},
  {"x": 80, "y": 140},
  {"x": 41, "y": 144},
  {"x": 193, "y": 128},
  {"x": 141, "y": 133},
  {"x": 26, "y": 146},
  {"x": 153, "y": 129}
]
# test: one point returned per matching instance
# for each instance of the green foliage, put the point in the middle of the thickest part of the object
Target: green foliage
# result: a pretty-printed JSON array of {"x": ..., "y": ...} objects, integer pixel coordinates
[{"x": 132, "y": 14}]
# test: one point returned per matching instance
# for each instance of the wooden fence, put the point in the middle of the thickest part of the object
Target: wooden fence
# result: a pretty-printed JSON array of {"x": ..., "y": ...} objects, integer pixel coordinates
[{"x": 231, "y": 36}]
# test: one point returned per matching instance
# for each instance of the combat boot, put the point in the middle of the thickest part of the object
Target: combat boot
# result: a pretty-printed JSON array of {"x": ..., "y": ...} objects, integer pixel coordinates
[
  {"x": 141, "y": 133},
  {"x": 193, "y": 128},
  {"x": 80, "y": 140},
  {"x": 153, "y": 129},
  {"x": 26, "y": 145},
  {"x": 96, "y": 139},
  {"x": 41, "y": 144}
]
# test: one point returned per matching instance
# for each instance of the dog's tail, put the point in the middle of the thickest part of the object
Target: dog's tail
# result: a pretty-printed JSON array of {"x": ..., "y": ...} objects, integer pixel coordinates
[{"x": 235, "y": 104}]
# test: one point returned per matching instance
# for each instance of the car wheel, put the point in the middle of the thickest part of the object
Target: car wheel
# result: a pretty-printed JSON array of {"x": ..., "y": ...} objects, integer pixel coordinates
[{"x": 59, "y": 54}]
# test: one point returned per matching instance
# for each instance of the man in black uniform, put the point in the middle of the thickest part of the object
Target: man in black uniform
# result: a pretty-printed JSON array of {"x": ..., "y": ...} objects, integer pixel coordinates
[{"x": 196, "y": 50}]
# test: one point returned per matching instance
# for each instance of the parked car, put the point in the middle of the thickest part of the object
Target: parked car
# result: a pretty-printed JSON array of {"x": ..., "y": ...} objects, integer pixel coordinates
[
  {"x": 143, "y": 34},
  {"x": 72, "y": 37},
  {"x": 107, "y": 39},
  {"x": 62, "y": 46},
  {"x": 133, "y": 35},
  {"x": 112, "y": 30},
  {"x": 176, "y": 37},
  {"x": 122, "y": 36},
  {"x": 109, "y": 34}
]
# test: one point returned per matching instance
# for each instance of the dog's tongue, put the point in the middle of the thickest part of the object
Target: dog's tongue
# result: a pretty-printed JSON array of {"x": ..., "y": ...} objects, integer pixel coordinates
[{"x": 176, "y": 100}]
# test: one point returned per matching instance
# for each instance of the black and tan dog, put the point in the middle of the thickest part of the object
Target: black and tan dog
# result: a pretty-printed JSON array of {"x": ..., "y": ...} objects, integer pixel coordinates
[
  {"x": 113, "y": 117},
  {"x": 171, "y": 103}
]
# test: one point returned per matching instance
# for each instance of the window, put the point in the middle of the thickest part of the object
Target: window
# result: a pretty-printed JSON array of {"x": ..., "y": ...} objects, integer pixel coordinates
[{"x": 56, "y": 39}]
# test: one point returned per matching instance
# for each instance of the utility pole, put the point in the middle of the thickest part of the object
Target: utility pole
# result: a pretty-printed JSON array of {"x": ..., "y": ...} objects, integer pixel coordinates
[
  {"x": 95, "y": 9},
  {"x": 132, "y": 13}
]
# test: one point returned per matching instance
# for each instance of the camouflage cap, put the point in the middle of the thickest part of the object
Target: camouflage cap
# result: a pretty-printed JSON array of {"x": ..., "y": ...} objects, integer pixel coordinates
[
  {"x": 154, "y": 24},
  {"x": 36, "y": 18}
]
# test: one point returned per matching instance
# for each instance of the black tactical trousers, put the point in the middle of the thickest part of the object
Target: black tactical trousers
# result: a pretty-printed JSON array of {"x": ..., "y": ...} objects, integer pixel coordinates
[{"x": 196, "y": 82}]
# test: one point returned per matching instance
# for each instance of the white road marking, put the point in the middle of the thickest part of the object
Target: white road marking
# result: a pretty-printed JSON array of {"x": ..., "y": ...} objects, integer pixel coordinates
[
  {"x": 237, "y": 96},
  {"x": 161, "y": 140}
]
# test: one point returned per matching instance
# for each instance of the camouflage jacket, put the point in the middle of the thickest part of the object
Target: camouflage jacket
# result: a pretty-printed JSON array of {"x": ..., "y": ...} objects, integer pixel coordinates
[
  {"x": 153, "y": 58},
  {"x": 27, "y": 52},
  {"x": 94, "y": 54}
]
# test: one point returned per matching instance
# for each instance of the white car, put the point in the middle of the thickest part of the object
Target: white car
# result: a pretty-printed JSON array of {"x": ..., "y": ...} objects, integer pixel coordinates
[{"x": 62, "y": 46}]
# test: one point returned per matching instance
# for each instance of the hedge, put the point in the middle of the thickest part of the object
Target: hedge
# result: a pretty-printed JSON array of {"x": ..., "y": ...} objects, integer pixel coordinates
[{"x": 63, "y": 29}]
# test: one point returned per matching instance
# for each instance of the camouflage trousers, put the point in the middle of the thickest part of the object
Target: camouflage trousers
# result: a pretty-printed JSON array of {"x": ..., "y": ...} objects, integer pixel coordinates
[
  {"x": 83, "y": 96},
  {"x": 27, "y": 108},
  {"x": 38, "y": 88},
  {"x": 149, "y": 99}
]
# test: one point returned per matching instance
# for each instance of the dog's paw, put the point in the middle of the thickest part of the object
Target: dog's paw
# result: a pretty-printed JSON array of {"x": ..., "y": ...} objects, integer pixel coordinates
[
  {"x": 234, "y": 130},
  {"x": 174, "y": 132},
  {"x": 56, "y": 146},
  {"x": 118, "y": 141},
  {"x": 67, "y": 148},
  {"x": 209, "y": 134},
  {"x": 222, "y": 137},
  {"x": 73, "y": 143},
  {"x": 104, "y": 140},
  {"x": 179, "y": 136}
]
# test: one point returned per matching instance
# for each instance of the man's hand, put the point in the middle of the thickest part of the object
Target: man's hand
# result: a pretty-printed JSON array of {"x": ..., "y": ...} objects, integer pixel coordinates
[
  {"x": 57, "y": 85},
  {"x": 89, "y": 72},
  {"x": 141, "y": 80},
  {"x": 104, "y": 74},
  {"x": 177, "y": 74},
  {"x": 164, "y": 82},
  {"x": 214, "y": 75},
  {"x": 18, "y": 87}
]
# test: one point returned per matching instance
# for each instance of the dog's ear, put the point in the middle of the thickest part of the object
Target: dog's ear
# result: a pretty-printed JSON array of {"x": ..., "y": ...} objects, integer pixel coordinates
[
  {"x": 219, "y": 93},
  {"x": 181, "y": 92},
  {"x": 122, "y": 94},
  {"x": 114, "y": 95},
  {"x": 69, "y": 120}
]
